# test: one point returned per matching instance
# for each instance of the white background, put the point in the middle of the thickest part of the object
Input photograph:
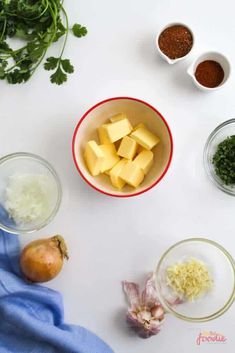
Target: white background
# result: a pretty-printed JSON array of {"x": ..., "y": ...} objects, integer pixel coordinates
[{"x": 111, "y": 239}]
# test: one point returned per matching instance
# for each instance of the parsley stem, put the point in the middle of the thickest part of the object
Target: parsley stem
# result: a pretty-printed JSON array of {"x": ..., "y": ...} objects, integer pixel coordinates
[
  {"x": 67, "y": 31},
  {"x": 11, "y": 52},
  {"x": 3, "y": 31},
  {"x": 54, "y": 15}
]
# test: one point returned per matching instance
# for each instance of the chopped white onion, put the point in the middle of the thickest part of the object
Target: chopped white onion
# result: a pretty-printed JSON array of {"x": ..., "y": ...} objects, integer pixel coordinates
[{"x": 28, "y": 197}]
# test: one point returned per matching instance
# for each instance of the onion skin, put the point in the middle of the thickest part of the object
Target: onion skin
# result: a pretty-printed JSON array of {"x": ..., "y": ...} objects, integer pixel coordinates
[{"x": 42, "y": 260}]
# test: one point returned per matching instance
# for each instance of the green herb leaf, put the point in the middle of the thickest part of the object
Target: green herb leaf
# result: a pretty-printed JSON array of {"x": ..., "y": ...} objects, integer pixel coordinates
[
  {"x": 51, "y": 63},
  {"x": 224, "y": 160},
  {"x": 67, "y": 66},
  {"x": 17, "y": 76},
  {"x": 35, "y": 50},
  {"x": 2, "y": 73},
  {"x": 79, "y": 31},
  {"x": 58, "y": 77}
]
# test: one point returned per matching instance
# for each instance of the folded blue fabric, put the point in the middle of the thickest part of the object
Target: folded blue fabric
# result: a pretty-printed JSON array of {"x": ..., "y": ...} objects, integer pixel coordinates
[{"x": 31, "y": 316}]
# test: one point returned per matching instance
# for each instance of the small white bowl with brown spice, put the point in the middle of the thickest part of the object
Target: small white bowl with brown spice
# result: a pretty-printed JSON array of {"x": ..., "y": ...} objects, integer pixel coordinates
[
  {"x": 210, "y": 71},
  {"x": 175, "y": 42}
]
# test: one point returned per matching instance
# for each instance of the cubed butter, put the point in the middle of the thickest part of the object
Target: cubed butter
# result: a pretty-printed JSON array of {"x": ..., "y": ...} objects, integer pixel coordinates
[
  {"x": 138, "y": 126},
  {"x": 103, "y": 136},
  {"x": 119, "y": 129},
  {"x": 140, "y": 149},
  {"x": 144, "y": 160},
  {"x": 117, "y": 117},
  {"x": 145, "y": 138},
  {"x": 127, "y": 148},
  {"x": 110, "y": 157},
  {"x": 94, "y": 157},
  {"x": 114, "y": 173},
  {"x": 132, "y": 174}
]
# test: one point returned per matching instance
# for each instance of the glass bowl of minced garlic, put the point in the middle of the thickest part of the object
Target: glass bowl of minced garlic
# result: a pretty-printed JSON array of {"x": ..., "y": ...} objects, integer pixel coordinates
[{"x": 195, "y": 279}]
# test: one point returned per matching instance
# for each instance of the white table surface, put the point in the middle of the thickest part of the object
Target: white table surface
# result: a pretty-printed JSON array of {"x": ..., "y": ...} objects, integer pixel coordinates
[{"x": 111, "y": 239}]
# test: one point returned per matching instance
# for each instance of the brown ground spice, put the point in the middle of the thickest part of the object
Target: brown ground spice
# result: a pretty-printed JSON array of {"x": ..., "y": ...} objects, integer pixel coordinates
[
  {"x": 175, "y": 41},
  {"x": 209, "y": 73}
]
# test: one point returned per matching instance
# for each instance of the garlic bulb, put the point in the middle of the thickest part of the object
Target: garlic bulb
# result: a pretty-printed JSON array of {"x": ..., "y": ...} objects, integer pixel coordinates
[{"x": 145, "y": 315}]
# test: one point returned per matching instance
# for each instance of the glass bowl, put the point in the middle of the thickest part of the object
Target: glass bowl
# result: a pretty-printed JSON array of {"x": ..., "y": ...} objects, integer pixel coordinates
[
  {"x": 221, "y": 267},
  {"x": 218, "y": 135},
  {"x": 26, "y": 164}
]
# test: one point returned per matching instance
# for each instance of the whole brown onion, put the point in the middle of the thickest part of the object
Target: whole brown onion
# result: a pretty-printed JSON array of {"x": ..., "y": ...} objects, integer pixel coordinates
[{"x": 42, "y": 260}]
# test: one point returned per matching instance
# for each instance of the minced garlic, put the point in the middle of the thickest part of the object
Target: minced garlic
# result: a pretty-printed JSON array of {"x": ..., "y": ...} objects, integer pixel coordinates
[
  {"x": 28, "y": 197},
  {"x": 190, "y": 279}
]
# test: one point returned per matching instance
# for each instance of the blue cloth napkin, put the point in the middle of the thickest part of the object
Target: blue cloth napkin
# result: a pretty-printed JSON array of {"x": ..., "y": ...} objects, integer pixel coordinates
[{"x": 31, "y": 316}]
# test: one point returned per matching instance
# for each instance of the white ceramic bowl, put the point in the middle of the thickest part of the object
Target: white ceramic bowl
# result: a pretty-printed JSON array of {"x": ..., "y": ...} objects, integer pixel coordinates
[
  {"x": 137, "y": 111},
  {"x": 216, "y": 56},
  {"x": 165, "y": 57}
]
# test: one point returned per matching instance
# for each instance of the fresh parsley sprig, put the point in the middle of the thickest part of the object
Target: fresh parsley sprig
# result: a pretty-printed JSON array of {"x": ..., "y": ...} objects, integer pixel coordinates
[{"x": 38, "y": 24}]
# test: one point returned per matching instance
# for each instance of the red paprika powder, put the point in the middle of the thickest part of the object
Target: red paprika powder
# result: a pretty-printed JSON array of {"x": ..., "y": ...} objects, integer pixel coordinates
[{"x": 209, "y": 73}]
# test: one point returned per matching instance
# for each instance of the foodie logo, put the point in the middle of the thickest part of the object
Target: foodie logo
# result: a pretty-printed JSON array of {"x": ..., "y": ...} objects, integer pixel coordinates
[{"x": 210, "y": 337}]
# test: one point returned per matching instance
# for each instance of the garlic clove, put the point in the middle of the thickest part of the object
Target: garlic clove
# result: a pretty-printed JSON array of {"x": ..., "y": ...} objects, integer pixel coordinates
[
  {"x": 157, "y": 312},
  {"x": 132, "y": 292},
  {"x": 144, "y": 315},
  {"x": 149, "y": 295}
]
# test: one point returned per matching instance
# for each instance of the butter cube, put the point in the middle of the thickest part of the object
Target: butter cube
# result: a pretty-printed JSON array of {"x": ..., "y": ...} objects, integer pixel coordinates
[
  {"x": 114, "y": 173},
  {"x": 94, "y": 157},
  {"x": 132, "y": 174},
  {"x": 117, "y": 117},
  {"x": 110, "y": 157},
  {"x": 138, "y": 126},
  {"x": 115, "y": 131},
  {"x": 145, "y": 138},
  {"x": 140, "y": 149},
  {"x": 144, "y": 160},
  {"x": 127, "y": 148},
  {"x": 103, "y": 136}
]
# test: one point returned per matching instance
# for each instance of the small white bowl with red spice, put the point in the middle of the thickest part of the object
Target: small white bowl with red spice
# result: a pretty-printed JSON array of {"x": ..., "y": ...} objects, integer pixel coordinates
[
  {"x": 210, "y": 71},
  {"x": 175, "y": 42}
]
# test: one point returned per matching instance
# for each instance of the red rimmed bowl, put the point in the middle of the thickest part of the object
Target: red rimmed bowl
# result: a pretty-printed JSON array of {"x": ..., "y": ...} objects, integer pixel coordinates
[{"x": 137, "y": 111}]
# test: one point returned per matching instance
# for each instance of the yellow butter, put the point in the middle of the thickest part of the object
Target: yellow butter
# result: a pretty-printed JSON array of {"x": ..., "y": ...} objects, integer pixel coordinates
[
  {"x": 110, "y": 157},
  {"x": 145, "y": 138},
  {"x": 114, "y": 173},
  {"x": 132, "y": 174},
  {"x": 144, "y": 160},
  {"x": 117, "y": 130},
  {"x": 94, "y": 157},
  {"x": 138, "y": 126},
  {"x": 140, "y": 149},
  {"x": 127, "y": 148},
  {"x": 103, "y": 136},
  {"x": 118, "y": 117}
]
